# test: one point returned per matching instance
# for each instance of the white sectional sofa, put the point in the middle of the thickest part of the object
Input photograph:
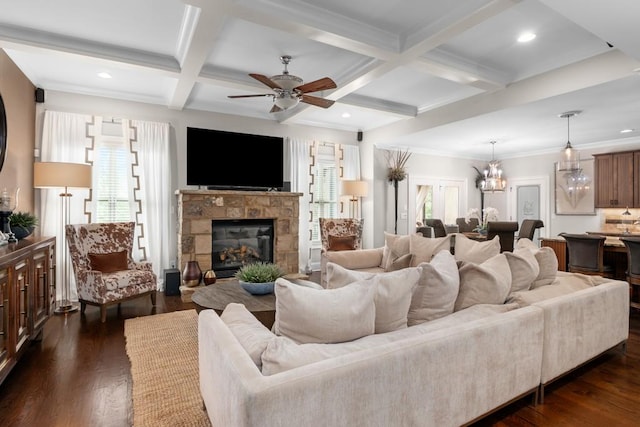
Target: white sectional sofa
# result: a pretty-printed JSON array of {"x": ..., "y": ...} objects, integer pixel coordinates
[{"x": 449, "y": 371}]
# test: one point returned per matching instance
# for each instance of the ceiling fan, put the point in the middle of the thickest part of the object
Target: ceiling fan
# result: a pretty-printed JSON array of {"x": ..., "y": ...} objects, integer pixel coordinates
[{"x": 288, "y": 89}]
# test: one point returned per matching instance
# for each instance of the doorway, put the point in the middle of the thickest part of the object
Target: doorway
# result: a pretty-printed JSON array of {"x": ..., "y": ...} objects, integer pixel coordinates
[
  {"x": 528, "y": 199},
  {"x": 436, "y": 198}
]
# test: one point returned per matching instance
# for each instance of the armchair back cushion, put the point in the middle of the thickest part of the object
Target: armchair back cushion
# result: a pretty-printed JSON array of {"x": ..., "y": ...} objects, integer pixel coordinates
[{"x": 341, "y": 227}]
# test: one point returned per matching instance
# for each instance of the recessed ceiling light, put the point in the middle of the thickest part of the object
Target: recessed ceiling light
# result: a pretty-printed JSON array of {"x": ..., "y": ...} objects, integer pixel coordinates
[
  {"x": 104, "y": 75},
  {"x": 526, "y": 37},
  {"x": 346, "y": 115},
  {"x": 626, "y": 130}
]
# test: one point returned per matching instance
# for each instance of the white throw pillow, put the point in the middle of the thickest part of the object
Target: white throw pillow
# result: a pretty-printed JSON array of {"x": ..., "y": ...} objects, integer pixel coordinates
[
  {"x": 308, "y": 315},
  {"x": 437, "y": 289},
  {"x": 424, "y": 248},
  {"x": 393, "y": 295},
  {"x": 252, "y": 335},
  {"x": 470, "y": 250},
  {"x": 547, "y": 262},
  {"x": 486, "y": 283},
  {"x": 395, "y": 245},
  {"x": 524, "y": 269}
]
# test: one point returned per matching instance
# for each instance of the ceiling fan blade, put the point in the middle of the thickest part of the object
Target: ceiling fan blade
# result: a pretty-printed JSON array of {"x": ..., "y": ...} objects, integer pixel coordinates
[
  {"x": 318, "y": 102},
  {"x": 275, "y": 109},
  {"x": 314, "y": 86},
  {"x": 266, "y": 80},
  {"x": 249, "y": 96}
]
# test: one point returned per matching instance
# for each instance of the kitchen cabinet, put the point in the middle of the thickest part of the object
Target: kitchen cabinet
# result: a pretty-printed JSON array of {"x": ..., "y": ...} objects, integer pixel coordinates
[
  {"x": 614, "y": 180},
  {"x": 27, "y": 296}
]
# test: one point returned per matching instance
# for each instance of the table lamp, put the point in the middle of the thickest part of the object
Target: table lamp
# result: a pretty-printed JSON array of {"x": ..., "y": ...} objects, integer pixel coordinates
[{"x": 355, "y": 189}]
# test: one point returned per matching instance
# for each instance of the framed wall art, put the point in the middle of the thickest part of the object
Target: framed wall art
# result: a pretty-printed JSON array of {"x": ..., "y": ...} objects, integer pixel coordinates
[{"x": 574, "y": 190}]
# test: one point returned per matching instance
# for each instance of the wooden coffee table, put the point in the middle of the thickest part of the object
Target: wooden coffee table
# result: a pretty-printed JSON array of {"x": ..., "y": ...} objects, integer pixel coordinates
[{"x": 218, "y": 295}]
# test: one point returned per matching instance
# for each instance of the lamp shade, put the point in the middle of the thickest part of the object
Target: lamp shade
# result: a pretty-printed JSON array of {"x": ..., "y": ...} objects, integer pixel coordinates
[
  {"x": 354, "y": 188},
  {"x": 60, "y": 174}
]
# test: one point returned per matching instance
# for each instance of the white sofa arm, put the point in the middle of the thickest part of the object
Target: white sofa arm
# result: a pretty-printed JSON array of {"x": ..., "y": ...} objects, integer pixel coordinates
[{"x": 353, "y": 260}]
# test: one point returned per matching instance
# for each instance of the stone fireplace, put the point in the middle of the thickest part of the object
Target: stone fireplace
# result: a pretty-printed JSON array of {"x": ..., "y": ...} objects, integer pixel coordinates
[{"x": 198, "y": 209}]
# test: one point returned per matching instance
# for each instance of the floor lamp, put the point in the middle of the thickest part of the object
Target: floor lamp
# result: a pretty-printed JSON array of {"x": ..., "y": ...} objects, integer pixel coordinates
[
  {"x": 63, "y": 175},
  {"x": 354, "y": 189}
]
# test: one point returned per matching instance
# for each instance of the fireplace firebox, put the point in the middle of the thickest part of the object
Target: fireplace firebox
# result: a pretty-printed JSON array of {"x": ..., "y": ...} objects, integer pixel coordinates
[{"x": 237, "y": 242}]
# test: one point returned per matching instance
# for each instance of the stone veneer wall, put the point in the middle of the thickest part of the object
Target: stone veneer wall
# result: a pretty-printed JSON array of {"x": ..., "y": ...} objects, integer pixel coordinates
[{"x": 196, "y": 209}]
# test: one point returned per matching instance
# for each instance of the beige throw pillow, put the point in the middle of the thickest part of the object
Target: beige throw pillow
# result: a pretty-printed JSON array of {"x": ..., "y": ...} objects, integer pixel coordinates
[
  {"x": 437, "y": 289},
  {"x": 252, "y": 335},
  {"x": 308, "y": 315},
  {"x": 467, "y": 249},
  {"x": 393, "y": 292},
  {"x": 547, "y": 262},
  {"x": 395, "y": 245},
  {"x": 524, "y": 269},
  {"x": 486, "y": 283},
  {"x": 424, "y": 248}
]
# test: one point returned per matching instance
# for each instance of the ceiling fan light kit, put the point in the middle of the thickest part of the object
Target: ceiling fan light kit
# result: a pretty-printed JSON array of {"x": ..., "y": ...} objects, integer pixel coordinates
[{"x": 289, "y": 90}]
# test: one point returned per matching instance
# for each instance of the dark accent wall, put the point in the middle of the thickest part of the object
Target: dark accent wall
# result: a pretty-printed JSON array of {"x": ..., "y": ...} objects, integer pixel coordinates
[{"x": 19, "y": 102}]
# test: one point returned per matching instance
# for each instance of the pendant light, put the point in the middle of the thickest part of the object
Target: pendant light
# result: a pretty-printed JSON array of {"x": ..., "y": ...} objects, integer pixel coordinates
[
  {"x": 493, "y": 181},
  {"x": 570, "y": 156}
]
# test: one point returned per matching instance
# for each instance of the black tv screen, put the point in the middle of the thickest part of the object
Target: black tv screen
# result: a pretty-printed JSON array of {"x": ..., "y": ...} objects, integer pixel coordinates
[{"x": 218, "y": 160}]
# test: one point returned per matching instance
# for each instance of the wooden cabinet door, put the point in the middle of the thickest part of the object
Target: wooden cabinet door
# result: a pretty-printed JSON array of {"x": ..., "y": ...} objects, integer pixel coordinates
[
  {"x": 20, "y": 287},
  {"x": 7, "y": 359},
  {"x": 614, "y": 180},
  {"x": 39, "y": 290}
]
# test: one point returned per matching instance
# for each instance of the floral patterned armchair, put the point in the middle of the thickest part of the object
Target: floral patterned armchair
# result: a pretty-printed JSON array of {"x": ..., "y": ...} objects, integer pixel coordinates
[
  {"x": 338, "y": 234},
  {"x": 104, "y": 270}
]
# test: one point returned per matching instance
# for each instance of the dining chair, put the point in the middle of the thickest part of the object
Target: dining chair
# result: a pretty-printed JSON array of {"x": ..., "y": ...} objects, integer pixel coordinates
[
  {"x": 464, "y": 227},
  {"x": 506, "y": 232},
  {"x": 529, "y": 227},
  {"x": 633, "y": 268},
  {"x": 439, "y": 229},
  {"x": 586, "y": 254}
]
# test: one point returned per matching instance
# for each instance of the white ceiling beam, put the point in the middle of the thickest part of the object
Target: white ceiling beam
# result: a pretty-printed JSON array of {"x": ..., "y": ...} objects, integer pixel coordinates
[{"x": 606, "y": 67}]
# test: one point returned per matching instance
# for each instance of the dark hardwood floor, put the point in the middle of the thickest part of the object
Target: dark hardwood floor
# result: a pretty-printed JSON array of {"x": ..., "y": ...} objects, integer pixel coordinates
[{"x": 78, "y": 375}]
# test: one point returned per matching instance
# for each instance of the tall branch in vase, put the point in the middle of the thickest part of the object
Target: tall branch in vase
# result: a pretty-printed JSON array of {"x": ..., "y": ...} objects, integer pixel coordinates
[{"x": 397, "y": 161}]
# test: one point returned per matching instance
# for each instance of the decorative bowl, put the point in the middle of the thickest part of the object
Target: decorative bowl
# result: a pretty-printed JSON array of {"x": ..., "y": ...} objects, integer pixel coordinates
[
  {"x": 21, "y": 232},
  {"x": 257, "y": 288}
]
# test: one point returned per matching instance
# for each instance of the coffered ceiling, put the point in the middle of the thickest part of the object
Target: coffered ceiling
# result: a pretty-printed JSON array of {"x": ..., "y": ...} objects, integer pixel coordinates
[{"x": 442, "y": 77}]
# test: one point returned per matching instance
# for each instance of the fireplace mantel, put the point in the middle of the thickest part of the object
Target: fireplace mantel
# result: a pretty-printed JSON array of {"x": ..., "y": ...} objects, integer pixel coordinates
[{"x": 197, "y": 208}]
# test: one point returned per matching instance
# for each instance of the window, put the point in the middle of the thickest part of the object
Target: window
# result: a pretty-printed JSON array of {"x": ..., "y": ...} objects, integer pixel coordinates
[
  {"x": 325, "y": 190},
  {"x": 111, "y": 188}
]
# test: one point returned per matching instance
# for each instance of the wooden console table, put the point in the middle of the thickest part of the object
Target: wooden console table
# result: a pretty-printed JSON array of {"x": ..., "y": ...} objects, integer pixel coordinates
[{"x": 27, "y": 296}]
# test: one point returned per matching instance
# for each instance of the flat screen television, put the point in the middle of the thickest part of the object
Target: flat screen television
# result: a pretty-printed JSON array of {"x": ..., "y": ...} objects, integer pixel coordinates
[{"x": 229, "y": 160}]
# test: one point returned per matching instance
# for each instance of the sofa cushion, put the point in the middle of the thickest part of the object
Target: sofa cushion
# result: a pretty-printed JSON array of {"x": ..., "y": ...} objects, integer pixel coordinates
[
  {"x": 562, "y": 285},
  {"x": 486, "y": 283},
  {"x": 283, "y": 354},
  {"x": 466, "y": 249},
  {"x": 393, "y": 292},
  {"x": 252, "y": 335},
  {"x": 395, "y": 245},
  {"x": 437, "y": 289},
  {"x": 401, "y": 262},
  {"x": 524, "y": 269},
  {"x": 547, "y": 261},
  {"x": 309, "y": 315},
  {"x": 424, "y": 248},
  {"x": 342, "y": 243}
]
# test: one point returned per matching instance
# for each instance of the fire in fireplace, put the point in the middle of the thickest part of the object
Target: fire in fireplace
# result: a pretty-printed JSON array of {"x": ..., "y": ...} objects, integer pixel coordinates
[{"x": 237, "y": 242}]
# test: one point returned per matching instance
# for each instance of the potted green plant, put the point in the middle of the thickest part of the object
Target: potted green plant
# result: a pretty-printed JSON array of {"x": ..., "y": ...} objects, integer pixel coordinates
[
  {"x": 258, "y": 278},
  {"x": 22, "y": 224}
]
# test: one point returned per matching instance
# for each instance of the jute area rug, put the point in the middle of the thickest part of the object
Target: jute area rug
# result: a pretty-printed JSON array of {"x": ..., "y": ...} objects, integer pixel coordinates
[{"x": 163, "y": 350}]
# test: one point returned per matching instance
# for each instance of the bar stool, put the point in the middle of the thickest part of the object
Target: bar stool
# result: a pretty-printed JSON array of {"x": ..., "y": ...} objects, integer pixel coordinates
[
  {"x": 586, "y": 254},
  {"x": 633, "y": 269}
]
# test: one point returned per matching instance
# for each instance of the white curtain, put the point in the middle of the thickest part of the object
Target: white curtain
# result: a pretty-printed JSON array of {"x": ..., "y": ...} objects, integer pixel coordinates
[
  {"x": 64, "y": 139},
  {"x": 154, "y": 171},
  {"x": 299, "y": 154}
]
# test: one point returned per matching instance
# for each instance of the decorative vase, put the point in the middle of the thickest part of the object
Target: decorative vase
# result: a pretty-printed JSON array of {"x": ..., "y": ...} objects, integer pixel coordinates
[
  {"x": 21, "y": 232},
  {"x": 191, "y": 274},
  {"x": 209, "y": 277}
]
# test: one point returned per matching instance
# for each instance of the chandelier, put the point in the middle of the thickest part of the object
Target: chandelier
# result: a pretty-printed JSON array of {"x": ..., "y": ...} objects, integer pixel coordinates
[
  {"x": 570, "y": 156},
  {"x": 493, "y": 181}
]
